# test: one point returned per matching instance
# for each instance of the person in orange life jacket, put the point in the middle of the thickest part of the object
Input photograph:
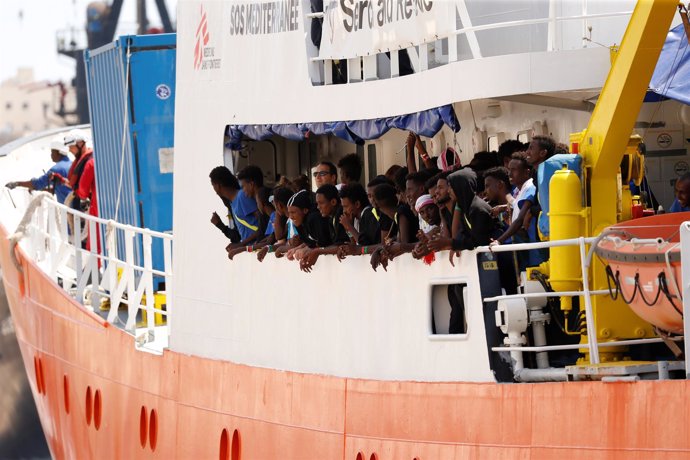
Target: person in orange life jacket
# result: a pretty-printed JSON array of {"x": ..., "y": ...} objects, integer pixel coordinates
[
  {"x": 222, "y": 180},
  {"x": 359, "y": 221},
  {"x": 75, "y": 141},
  {"x": 402, "y": 236},
  {"x": 281, "y": 196},
  {"x": 328, "y": 204},
  {"x": 312, "y": 229},
  {"x": 83, "y": 178}
]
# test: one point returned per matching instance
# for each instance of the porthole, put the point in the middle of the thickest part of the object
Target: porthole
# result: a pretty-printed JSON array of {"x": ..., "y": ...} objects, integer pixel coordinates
[
  {"x": 143, "y": 426},
  {"x": 374, "y": 456},
  {"x": 153, "y": 429},
  {"x": 38, "y": 376},
  {"x": 41, "y": 376},
  {"x": 224, "y": 445},
  {"x": 236, "y": 451},
  {"x": 65, "y": 392},
  {"x": 360, "y": 456},
  {"x": 88, "y": 405},
  {"x": 97, "y": 409}
]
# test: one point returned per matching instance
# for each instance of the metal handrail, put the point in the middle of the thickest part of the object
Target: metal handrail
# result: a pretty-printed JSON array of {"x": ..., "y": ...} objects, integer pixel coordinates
[
  {"x": 55, "y": 247},
  {"x": 496, "y": 25},
  {"x": 586, "y": 293},
  {"x": 527, "y": 22}
]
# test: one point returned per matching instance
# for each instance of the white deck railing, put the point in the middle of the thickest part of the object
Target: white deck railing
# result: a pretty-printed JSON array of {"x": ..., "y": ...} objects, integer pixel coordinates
[
  {"x": 586, "y": 257},
  {"x": 366, "y": 67},
  {"x": 51, "y": 234}
]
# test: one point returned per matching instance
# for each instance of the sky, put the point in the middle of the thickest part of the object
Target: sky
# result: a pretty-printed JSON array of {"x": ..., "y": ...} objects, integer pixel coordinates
[{"x": 29, "y": 31}]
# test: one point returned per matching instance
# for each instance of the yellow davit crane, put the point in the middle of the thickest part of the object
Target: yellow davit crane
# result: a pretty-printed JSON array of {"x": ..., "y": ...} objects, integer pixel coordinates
[{"x": 602, "y": 146}]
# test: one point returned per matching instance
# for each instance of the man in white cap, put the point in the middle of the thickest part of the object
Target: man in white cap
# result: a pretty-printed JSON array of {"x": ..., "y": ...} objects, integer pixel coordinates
[
  {"x": 75, "y": 141},
  {"x": 82, "y": 177},
  {"x": 55, "y": 175}
]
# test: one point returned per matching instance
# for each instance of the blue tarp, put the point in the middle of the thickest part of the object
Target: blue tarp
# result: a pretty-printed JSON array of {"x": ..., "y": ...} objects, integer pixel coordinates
[
  {"x": 671, "y": 77},
  {"x": 426, "y": 123}
]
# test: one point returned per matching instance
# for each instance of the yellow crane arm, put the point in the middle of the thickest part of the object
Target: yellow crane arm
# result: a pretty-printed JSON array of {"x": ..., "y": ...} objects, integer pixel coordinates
[{"x": 616, "y": 111}]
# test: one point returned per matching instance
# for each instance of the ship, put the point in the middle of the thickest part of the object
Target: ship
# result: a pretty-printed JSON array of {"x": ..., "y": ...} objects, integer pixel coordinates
[{"x": 153, "y": 344}]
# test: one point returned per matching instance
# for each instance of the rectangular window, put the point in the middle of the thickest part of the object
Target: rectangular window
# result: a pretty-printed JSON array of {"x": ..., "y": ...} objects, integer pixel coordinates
[
  {"x": 493, "y": 143},
  {"x": 448, "y": 303},
  {"x": 523, "y": 136}
]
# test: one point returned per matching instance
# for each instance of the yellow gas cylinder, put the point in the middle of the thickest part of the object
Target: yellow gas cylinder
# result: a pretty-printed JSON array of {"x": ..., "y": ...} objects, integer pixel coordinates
[{"x": 565, "y": 222}]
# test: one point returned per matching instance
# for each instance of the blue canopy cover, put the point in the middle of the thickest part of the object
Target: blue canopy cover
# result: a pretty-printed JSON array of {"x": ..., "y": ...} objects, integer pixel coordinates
[{"x": 426, "y": 123}]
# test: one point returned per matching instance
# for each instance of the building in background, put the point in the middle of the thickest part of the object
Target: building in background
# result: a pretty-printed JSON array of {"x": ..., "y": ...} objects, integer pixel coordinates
[{"x": 28, "y": 106}]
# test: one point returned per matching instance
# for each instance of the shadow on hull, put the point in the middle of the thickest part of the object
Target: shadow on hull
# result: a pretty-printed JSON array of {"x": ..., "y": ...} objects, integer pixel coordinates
[{"x": 21, "y": 435}]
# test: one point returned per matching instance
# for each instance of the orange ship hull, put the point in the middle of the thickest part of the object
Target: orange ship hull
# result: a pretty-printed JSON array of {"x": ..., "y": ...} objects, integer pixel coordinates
[{"x": 98, "y": 397}]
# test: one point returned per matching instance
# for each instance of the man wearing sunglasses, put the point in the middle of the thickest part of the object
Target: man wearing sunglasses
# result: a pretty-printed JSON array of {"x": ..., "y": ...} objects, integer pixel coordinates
[{"x": 325, "y": 173}]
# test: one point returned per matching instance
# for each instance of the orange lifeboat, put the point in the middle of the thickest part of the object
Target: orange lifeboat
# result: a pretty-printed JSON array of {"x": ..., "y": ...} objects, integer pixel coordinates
[{"x": 644, "y": 269}]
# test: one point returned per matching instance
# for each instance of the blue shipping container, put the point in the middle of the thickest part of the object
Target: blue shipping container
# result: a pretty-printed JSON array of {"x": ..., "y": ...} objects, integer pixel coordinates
[{"x": 131, "y": 90}]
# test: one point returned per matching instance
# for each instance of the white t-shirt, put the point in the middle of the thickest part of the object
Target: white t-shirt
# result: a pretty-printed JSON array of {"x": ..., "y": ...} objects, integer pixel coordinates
[{"x": 527, "y": 189}]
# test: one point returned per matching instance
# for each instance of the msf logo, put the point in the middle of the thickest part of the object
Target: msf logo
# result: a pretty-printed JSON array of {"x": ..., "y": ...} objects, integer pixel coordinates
[{"x": 202, "y": 38}]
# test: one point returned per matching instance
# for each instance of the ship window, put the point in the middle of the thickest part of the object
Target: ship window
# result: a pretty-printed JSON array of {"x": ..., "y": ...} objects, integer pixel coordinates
[
  {"x": 143, "y": 426},
  {"x": 523, "y": 136},
  {"x": 97, "y": 410},
  {"x": 65, "y": 391},
  {"x": 39, "y": 383},
  {"x": 448, "y": 309},
  {"x": 88, "y": 405},
  {"x": 224, "y": 445},
  {"x": 236, "y": 446},
  {"x": 493, "y": 143},
  {"x": 153, "y": 430},
  {"x": 25, "y": 105},
  {"x": 360, "y": 456},
  {"x": 374, "y": 456},
  {"x": 8, "y": 106}
]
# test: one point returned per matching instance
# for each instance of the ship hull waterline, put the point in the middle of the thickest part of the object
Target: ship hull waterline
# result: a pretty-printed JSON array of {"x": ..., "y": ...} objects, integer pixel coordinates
[{"x": 99, "y": 397}]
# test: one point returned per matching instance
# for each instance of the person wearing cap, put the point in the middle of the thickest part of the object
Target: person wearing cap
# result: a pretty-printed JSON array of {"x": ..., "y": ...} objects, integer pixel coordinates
[
  {"x": 75, "y": 141},
  {"x": 54, "y": 176}
]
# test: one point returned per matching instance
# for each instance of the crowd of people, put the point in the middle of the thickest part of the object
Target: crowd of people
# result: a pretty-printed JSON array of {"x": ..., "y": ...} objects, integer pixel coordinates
[{"x": 441, "y": 205}]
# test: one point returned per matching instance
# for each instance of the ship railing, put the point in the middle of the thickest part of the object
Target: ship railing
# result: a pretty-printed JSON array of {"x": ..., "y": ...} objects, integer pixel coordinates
[
  {"x": 103, "y": 280},
  {"x": 593, "y": 344},
  {"x": 443, "y": 49}
]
